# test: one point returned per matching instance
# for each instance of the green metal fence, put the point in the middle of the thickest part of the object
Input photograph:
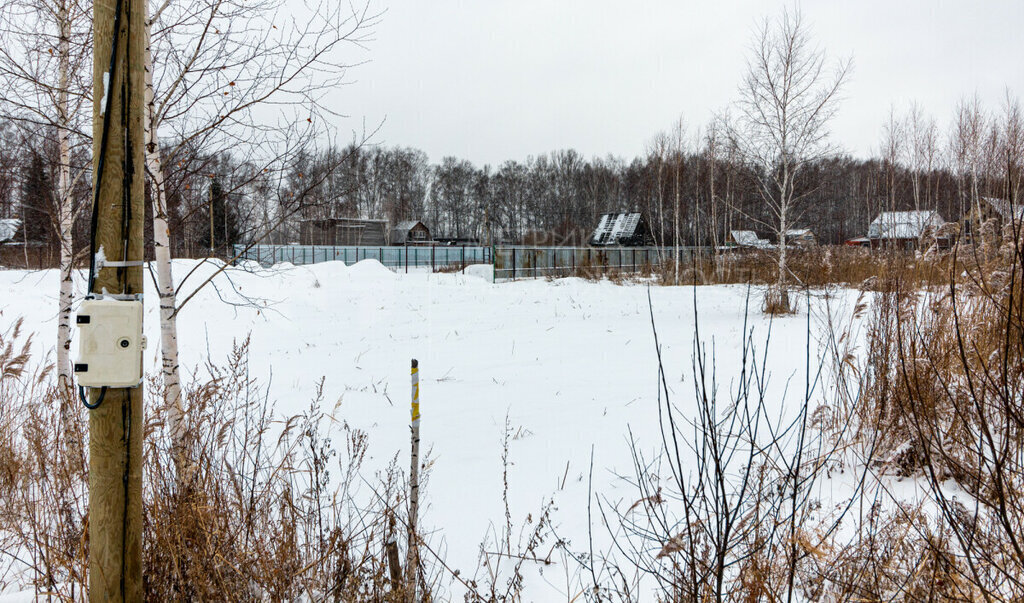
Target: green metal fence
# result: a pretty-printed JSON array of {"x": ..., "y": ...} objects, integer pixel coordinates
[
  {"x": 397, "y": 258},
  {"x": 532, "y": 262}
]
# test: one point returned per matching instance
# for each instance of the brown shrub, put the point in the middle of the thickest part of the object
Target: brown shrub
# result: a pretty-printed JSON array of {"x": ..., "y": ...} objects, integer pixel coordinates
[{"x": 264, "y": 507}]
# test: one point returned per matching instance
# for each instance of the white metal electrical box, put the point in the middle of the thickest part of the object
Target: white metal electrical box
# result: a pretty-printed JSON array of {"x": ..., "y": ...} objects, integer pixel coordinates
[{"x": 110, "y": 343}]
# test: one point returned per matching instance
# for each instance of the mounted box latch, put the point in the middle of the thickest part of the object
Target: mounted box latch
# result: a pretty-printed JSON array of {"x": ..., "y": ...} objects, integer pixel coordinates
[{"x": 110, "y": 343}]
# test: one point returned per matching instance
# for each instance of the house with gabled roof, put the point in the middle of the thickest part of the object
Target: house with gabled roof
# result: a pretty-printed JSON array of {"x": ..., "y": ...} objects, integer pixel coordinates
[
  {"x": 990, "y": 208},
  {"x": 409, "y": 232},
  {"x": 902, "y": 229}
]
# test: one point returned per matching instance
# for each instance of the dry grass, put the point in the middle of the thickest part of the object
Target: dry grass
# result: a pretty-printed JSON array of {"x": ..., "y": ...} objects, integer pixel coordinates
[
  {"x": 264, "y": 508},
  {"x": 451, "y": 268},
  {"x": 943, "y": 392}
]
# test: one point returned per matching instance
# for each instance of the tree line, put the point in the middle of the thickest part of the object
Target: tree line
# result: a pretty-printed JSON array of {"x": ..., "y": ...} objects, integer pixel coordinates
[{"x": 696, "y": 180}]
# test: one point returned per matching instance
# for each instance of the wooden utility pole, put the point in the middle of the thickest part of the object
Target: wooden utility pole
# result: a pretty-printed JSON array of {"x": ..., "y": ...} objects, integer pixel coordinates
[{"x": 115, "y": 427}]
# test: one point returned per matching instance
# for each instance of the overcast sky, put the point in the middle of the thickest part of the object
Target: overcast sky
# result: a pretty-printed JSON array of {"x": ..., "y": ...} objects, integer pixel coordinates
[{"x": 490, "y": 80}]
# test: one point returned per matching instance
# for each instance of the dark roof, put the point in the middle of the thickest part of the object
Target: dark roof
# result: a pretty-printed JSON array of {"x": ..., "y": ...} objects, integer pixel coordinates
[{"x": 616, "y": 228}]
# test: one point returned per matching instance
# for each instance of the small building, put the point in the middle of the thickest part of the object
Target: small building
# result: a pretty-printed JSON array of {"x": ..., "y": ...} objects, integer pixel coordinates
[
  {"x": 342, "y": 231},
  {"x": 988, "y": 208},
  {"x": 9, "y": 229},
  {"x": 902, "y": 229},
  {"x": 748, "y": 238},
  {"x": 801, "y": 237},
  {"x": 410, "y": 232},
  {"x": 622, "y": 229}
]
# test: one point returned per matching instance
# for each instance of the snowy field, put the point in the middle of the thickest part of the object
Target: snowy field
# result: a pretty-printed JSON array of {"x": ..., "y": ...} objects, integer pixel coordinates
[{"x": 570, "y": 363}]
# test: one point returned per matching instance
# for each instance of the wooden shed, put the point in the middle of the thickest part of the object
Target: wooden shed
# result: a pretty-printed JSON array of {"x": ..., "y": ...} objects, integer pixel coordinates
[
  {"x": 342, "y": 231},
  {"x": 988, "y": 208},
  {"x": 801, "y": 237},
  {"x": 411, "y": 232}
]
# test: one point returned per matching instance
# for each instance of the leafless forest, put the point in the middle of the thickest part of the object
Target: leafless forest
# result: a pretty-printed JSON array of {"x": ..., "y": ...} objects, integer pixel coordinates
[{"x": 558, "y": 196}]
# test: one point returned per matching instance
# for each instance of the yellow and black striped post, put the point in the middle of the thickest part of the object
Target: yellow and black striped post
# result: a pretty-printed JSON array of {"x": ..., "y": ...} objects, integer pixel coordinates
[{"x": 412, "y": 559}]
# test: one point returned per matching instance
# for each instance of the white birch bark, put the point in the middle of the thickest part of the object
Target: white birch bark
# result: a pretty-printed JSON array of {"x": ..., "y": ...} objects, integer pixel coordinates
[
  {"x": 65, "y": 220},
  {"x": 165, "y": 280}
]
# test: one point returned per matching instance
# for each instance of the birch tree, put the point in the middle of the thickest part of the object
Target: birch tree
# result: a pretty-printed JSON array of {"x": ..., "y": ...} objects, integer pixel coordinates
[
  {"x": 922, "y": 153},
  {"x": 45, "y": 54},
  {"x": 220, "y": 62},
  {"x": 788, "y": 97}
]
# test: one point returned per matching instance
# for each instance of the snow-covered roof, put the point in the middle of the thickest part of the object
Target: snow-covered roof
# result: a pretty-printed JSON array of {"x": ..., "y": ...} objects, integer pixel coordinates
[
  {"x": 613, "y": 228},
  {"x": 8, "y": 228},
  {"x": 799, "y": 232},
  {"x": 406, "y": 225},
  {"x": 400, "y": 233},
  {"x": 748, "y": 238},
  {"x": 1005, "y": 209},
  {"x": 903, "y": 224}
]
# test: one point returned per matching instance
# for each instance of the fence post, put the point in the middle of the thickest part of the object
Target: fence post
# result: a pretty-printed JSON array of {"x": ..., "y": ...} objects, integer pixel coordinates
[
  {"x": 433, "y": 250},
  {"x": 463, "y": 259},
  {"x": 513, "y": 263},
  {"x": 634, "y": 260},
  {"x": 407, "y": 259},
  {"x": 412, "y": 561}
]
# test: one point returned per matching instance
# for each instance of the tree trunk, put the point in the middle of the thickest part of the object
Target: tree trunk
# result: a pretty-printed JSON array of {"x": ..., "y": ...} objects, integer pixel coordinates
[
  {"x": 165, "y": 281},
  {"x": 675, "y": 234},
  {"x": 783, "y": 287},
  {"x": 65, "y": 222}
]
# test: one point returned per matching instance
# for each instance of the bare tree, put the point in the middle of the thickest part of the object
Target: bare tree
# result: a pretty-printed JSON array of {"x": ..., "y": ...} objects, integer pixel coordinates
[
  {"x": 787, "y": 99},
  {"x": 922, "y": 154},
  {"x": 893, "y": 137},
  {"x": 216, "y": 64},
  {"x": 45, "y": 49},
  {"x": 965, "y": 148},
  {"x": 679, "y": 148},
  {"x": 1012, "y": 151}
]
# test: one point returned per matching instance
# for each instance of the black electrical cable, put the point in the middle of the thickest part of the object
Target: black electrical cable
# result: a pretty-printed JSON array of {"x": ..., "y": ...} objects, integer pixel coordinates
[
  {"x": 127, "y": 183},
  {"x": 104, "y": 137},
  {"x": 85, "y": 400}
]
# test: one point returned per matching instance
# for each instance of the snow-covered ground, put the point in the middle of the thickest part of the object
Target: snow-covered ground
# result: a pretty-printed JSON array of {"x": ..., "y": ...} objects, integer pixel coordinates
[{"x": 570, "y": 363}]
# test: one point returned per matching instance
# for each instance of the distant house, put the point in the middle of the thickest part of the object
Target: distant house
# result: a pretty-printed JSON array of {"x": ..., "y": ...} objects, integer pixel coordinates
[
  {"x": 902, "y": 229},
  {"x": 748, "y": 238},
  {"x": 342, "y": 231},
  {"x": 9, "y": 228},
  {"x": 411, "y": 232},
  {"x": 801, "y": 237},
  {"x": 986, "y": 209},
  {"x": 623, "y": 229}
]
